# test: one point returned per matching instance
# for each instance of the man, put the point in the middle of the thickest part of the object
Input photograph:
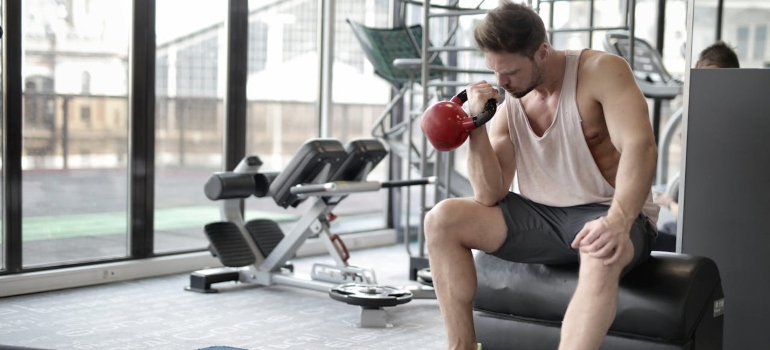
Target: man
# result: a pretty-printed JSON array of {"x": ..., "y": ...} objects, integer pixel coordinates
[
  {"x": 718, "y": 55},
  {"x": 575, "y": 129}
]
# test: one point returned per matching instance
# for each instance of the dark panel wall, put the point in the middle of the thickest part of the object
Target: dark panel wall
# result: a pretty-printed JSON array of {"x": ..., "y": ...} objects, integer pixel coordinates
[{"x": 726, "y": 193}]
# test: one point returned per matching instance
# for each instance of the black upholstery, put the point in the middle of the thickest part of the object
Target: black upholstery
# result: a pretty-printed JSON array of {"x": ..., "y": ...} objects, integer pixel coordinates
[
  {"x": 360, "y": 153},
  {"x": 229, "y": 244},
  {"x": 665, "y": 303},
  {"x": 304, "y": 168},
  {"x": 266, "y": 234}
]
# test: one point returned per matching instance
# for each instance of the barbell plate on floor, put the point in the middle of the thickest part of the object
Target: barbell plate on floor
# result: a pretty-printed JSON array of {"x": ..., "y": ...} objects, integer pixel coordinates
[
  {"x": 424, "y": 276},
  {"x": 370, "y": 296}
]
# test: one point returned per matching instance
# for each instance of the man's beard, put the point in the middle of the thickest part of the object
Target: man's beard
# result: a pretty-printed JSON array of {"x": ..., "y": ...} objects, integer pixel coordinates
[{"x": 537, "y": 79}]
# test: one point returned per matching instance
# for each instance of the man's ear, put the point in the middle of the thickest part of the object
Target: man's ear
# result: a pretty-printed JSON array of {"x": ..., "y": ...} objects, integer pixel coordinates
[
  {"x": 697, "y": 64},
  {"x": 543, "y": 52}
]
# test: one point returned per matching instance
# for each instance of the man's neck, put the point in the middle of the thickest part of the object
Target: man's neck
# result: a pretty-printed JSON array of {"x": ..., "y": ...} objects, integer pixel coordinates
[{"x": 554, "y": 68}]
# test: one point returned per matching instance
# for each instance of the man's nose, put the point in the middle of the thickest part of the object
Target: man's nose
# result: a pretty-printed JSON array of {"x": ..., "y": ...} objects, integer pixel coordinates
[{"x": 501, "y": 79}]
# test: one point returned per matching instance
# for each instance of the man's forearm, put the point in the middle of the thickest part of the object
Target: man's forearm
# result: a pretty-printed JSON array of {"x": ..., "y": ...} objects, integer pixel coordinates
[
  {"x": 633, "y": 181},
  {"x": 484, "y": 169}
]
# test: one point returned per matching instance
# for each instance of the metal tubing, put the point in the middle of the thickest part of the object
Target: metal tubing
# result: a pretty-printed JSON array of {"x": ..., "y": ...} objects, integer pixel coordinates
[
  {"x": 289, "y": 244},
  {"x": 664, "y": 144},
  {"x": 294, "y": 281},
  {"x": 237, "y": 30},
  {"x": 142, "y": 131},
  {"x": 720, "y": 14},
  {"x": 12, "y": 145},
  {"x": 631, "y": 31},
  {"x": 424, "y": 143},
  {"x": 326, "y": 61}
]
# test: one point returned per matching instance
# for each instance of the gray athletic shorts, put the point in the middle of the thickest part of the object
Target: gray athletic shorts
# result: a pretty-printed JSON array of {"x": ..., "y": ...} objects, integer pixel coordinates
[{"x": 543, "y": 234}]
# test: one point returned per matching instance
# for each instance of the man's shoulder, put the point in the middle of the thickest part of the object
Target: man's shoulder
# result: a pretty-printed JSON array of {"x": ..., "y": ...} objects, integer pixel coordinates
[
  {"x": 596, "y": 67},
  {"x": 598, "y": 60}
]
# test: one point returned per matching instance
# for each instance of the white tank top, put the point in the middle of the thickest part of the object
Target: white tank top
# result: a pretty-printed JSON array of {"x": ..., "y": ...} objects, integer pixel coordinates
[{"x": 557, "y": 169}]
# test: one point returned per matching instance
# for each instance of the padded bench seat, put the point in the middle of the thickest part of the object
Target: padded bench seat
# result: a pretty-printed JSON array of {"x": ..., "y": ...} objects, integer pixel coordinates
[{"x": 672, "y": 301}]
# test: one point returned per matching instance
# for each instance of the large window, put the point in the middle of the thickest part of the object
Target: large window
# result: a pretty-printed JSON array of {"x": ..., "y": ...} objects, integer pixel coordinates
[
  {"x": 2, "y": 128},
  {"x": 75, "y": 127},
  {"x": 283, "y": 90},
  {"x": 760, "y": 42},
  {"x": 188, "y": 119}
]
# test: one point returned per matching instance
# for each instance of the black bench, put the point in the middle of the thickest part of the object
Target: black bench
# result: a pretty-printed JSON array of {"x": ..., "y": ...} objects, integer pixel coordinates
[{"x": 672, "y": 301}]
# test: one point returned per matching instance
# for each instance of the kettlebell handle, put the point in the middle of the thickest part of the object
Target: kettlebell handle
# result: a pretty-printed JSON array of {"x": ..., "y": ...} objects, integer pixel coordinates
[{"x": 482, "y": 118}]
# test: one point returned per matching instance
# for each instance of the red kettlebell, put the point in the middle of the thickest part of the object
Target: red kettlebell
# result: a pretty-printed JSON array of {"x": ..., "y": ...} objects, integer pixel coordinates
[{"x": 447, "y": 126}]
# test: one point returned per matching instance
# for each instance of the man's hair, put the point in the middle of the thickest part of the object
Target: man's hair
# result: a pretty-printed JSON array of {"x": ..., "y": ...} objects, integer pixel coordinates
[
  {"x": 720, "y": 55},
  {"x": 511, "y": 28}
]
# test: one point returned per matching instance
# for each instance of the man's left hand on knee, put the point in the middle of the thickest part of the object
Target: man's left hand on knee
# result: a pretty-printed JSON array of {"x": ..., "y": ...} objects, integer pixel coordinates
[{"x": 602, "y": 240}]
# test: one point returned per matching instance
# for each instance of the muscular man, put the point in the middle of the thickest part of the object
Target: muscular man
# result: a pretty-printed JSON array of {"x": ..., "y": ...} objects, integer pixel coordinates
[{"x": 575, "y": 130}]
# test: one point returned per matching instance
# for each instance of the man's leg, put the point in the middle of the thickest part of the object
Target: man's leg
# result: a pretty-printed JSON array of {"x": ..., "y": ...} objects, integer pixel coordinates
[
  {"x": 594, "y": 304},
  {"x": 452, "y": 228}
]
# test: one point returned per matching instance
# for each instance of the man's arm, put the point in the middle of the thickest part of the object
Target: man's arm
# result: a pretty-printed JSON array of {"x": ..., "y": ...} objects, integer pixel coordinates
[
  {"x": 491, "y": 163},
  {"x": 625, "y": 112}
]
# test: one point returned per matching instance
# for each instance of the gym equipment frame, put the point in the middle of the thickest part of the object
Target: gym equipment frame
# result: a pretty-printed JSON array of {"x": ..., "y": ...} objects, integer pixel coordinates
[{"x": 258, "y": 252}]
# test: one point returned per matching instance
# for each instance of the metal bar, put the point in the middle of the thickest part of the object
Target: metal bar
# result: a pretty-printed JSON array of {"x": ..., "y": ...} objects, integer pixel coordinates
[
  {"x": 660, "y": 35},
  {"x": 631, "y": 31},
  {"x": 142, "y": 130},
  {"x": 12, "y": 131},
  {"x": 237, "y": 28},
  {"x": 326, "y": 25},
  {"x": 446, "y": 7},
  {"x": 457, "y": 13},
  {"x": 555, "y": 1},
  {"x": 451, "y": 48},
  {"x": 591, "y": 23},
  {"x": 665, "y": 142},
  {"x": 551, "y": 9},
  {"x": 287, "y": 247},
  {"x": 459, "y": 70},
  {"x": 307, "y": 283},
  {"x": 65, "y": 131},
  {"x": 583, "y": 29},
  {"x": 720, "y": 14},
  {"x": 424, "y": 141}
]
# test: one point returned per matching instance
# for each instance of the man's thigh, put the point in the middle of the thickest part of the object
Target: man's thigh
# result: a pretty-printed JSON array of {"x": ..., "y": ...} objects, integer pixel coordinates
[
  {"x": 476, "y": 226},
  {"x": 538, "y": 233}
]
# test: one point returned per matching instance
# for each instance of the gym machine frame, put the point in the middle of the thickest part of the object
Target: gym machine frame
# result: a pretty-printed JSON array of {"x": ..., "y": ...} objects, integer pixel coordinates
[{"x": 257, "y": 252}]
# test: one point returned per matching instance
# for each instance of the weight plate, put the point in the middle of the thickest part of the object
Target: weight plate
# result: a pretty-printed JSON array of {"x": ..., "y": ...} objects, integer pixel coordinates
[
  {"x": 424, "y": 276},
  {"x": 369, "y": 295}
]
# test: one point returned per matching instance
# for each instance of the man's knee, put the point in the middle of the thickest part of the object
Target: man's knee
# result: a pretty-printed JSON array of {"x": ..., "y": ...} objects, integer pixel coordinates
[
  {"x": 596, "y": 267},
  {"x": 444, "y": 218}
]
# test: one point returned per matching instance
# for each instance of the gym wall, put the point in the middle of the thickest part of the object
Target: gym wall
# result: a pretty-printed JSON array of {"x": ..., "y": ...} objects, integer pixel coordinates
[{"x": 726, "y": 193}]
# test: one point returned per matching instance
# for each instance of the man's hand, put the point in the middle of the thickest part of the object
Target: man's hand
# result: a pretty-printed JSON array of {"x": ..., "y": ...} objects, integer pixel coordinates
[
  {"x": 478, "y": 95},
  {"x": 602, "y": 240}
]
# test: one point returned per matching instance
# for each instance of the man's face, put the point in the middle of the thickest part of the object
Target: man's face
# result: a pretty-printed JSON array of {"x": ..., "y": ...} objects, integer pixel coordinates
[{"x": 517, "y": 74}]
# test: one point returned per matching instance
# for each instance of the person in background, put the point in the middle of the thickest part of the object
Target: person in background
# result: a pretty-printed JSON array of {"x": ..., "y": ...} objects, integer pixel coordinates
[{"x": 717, "y": 55}]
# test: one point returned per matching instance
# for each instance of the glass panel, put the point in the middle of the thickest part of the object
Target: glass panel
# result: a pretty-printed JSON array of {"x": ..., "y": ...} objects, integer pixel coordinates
[
  {"x": 703, "y": 26},
  {"x": 355, "y": 109},
  {"x": 742, "y": 41},
  {"x": 189, "y": 119},
  {"x": 2, "y": 131},
  {"x": 744, "y": 27},
  {"x": 75, "y": 132},
  {"x": 760, "y": 42},
  {"x": 281, "y": 92}
]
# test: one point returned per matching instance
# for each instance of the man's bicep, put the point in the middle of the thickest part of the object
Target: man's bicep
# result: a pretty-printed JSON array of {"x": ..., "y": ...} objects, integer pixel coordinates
[{"x": 624, "y": 106}]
